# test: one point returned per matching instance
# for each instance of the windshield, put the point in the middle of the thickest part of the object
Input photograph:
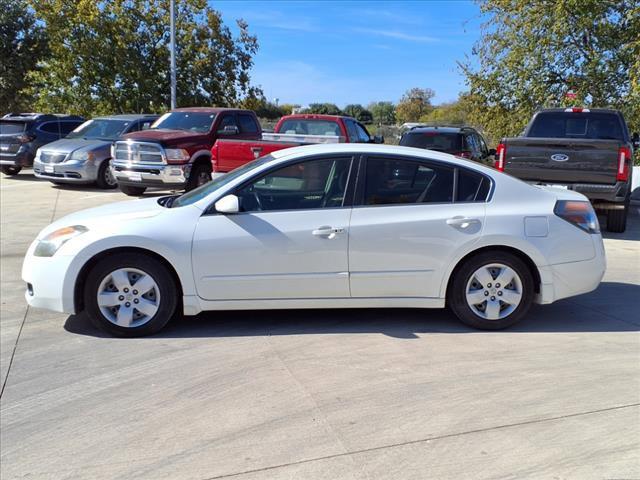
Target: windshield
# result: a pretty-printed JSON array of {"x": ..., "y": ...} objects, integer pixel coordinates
[
  {"x": 204, "y": 190},
  {"x": 594, "y": 126},
  {"x": 11, "y": 128},
  {"x": 310, "y": 127},
  {"x": 443, "y": 142},
  {"x": 100, "y": 128},
  {"x": 191, "y": 121}
]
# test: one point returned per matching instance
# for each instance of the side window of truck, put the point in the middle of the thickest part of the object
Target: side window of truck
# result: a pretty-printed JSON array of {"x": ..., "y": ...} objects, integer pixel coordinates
[
  {"x": 363, "y": 135},
  {"x": 247, "y": 123},
  {"x": 227, "y": 120},
  {"x": 352, "y": 131}
]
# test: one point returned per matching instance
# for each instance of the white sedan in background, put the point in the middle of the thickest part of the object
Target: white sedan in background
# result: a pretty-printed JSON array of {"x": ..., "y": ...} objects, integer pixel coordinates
[{"x": 327, "y": 226}]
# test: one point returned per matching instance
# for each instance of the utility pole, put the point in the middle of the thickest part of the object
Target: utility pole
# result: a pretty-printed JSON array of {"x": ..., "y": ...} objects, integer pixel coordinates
[{"x": 173, "y": 53}]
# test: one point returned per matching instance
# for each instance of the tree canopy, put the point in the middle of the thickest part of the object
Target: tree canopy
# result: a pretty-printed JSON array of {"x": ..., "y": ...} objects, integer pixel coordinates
[
  {"x": 531, "y": 54},
  {"x": 358, "y": 112},
  {"x": 384, "y": 113},
  {"x": 323, "y": 108},
  {"x": 414, "y": 104}
]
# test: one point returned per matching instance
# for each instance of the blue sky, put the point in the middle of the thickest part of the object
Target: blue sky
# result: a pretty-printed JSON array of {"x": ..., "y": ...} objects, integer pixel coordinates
[{"x": 357, "y": 51}]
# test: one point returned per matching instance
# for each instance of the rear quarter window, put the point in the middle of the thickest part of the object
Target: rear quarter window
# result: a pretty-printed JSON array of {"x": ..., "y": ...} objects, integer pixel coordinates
[{"x": 472, "y": 187}]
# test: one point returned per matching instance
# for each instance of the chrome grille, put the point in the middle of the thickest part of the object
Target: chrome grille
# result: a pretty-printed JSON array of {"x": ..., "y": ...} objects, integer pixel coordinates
[
  {"x": 52, "y": 157},
  {"x": 138, "y": 152}
]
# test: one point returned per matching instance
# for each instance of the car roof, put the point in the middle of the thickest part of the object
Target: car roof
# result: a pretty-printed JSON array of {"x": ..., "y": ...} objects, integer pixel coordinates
[
  {"x": 589, "y": 110},
  {"x": 315, "y": 116},
  {"x": 209, "y": 109},
  {"x": 31, "y": 117},
  {"x": 438, "y": 128},
  {"x": 128, "y": 116}
]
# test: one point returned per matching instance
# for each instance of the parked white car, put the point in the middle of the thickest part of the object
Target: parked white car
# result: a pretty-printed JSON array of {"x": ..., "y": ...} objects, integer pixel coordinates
[{"x": 332, "y": 226}]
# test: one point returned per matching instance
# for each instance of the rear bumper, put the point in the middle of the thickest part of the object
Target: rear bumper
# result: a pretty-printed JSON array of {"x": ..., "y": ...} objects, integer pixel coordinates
[
  {"x": 566, "y": 280},
  {"x": 161, "y": 175},
  {"x": 617, "y": 193},
  {"x": 67, "y": 172}
]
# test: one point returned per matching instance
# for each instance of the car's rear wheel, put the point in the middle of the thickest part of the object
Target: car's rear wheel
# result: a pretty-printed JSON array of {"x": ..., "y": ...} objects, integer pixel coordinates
[
  {"x": 492, "y": 290},
  {"x": 617, "y": 220},
  {"x": 132, "y": 191},
  {"x": 130, "y": 295},
  {"x": 9, "y": 170},
  {"x": 105, "y": 178}
]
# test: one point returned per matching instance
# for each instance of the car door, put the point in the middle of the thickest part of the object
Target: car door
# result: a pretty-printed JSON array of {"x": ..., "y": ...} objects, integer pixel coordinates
[
  {"x": 289, "y": 241},
  {"x": 406, "y": 227}
]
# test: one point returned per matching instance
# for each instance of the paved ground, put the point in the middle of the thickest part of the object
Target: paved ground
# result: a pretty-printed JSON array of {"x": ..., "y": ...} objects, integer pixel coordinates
[{"x": 367, "y": 394}]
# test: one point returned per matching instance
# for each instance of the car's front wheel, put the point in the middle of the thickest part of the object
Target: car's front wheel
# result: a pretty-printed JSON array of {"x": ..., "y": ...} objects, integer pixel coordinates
[
  {"x": 130, "y": 295},
  {"x": 9, "y": 170},
  {"x": 132, "y": 191},
  {"x": 492, "y": 290},
  {"x": 105, "y": 178}
]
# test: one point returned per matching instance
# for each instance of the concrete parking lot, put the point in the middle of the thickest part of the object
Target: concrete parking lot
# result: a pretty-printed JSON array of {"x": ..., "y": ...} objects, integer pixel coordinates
[{"x": 363, "y": 394}]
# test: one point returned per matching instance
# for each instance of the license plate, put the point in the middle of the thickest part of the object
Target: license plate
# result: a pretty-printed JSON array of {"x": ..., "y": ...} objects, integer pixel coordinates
[
  {"x": 49, "y": 168},
  {"x": 134, "y": 176}
]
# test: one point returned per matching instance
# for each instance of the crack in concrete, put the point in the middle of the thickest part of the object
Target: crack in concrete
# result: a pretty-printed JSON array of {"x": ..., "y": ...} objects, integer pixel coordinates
[{"x": 423, "y": 440}]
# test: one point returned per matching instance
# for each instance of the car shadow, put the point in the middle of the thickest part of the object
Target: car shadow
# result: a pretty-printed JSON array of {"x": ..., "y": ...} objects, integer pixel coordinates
[
  {"x": 633, "y": 225},
  {"x": 587, "y": 313},
  {"x": 22, "y": 177}
]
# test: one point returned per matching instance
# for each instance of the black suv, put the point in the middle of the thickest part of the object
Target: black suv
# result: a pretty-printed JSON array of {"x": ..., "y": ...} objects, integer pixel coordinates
[
  {"x": 463, "y": 142},
  {"x": 21, "y": 134}
]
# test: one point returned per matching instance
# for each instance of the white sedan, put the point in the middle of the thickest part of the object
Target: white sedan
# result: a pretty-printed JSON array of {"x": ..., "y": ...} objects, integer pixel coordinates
[{"x": 327, "y": 226}]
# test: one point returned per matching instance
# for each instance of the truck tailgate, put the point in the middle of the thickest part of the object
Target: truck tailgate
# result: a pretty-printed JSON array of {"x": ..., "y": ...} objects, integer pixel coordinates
[{"x": 566, "y": 161}]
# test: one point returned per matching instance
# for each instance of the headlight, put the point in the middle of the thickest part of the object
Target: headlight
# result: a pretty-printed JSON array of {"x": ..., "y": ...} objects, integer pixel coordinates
[
  {"x": 177, "y": 154},
  {"x": 82, "y": 155},
  {"x": 50, "y": 244}
]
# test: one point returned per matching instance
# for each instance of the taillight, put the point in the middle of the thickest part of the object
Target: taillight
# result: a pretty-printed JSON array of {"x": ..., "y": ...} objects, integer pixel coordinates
[
  {"x": 624, "y": 164},
  {"x": 501, "y": 151},
  {"x": 577, "y": 110},
  {"x": 580, "y": 214}
]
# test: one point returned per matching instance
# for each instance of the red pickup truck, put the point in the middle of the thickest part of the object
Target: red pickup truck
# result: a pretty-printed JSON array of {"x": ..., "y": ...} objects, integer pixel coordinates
[
  {"x": 175, "y": 153},
  {"x": 290, "y": 131}
]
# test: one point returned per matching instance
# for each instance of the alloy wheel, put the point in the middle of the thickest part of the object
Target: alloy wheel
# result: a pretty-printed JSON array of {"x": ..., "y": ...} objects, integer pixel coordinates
[{"x": 494, "y": 291}]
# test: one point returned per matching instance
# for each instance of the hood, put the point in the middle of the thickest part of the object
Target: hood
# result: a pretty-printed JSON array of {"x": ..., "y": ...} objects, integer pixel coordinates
[
  {"x": 109, "y": 215},
  {"x": 67, "y": 145},
  {"x": 165, "y": 136}
]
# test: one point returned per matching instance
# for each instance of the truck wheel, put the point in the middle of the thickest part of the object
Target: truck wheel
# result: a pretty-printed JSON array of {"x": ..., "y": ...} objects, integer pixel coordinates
[
  {"x": 200, "y": 174},
  {"x": 132, "y": 191},
  {"x": 105, "y": 179},
  {"x": 9, "y": 170},
  {"x": 491, "y": 291},
  {"x": 617, "y": 220},
  {"x": 130, "y": 295}
]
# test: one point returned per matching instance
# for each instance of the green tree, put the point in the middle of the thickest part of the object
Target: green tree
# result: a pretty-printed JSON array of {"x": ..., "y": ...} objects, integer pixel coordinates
[
  {"x": 414, "y": 104},
  {"x": 113, "y": 56},
  {"x": 532, "y": 53},
  {"x": 358, "y": 112},
  {"x": 384, "y": 113},
  {"x": 22, "y": 45},
  {"x": 451, "y": 113},
  {"x": 289, "y": 108},
  {"x": 323, "y": 108}
]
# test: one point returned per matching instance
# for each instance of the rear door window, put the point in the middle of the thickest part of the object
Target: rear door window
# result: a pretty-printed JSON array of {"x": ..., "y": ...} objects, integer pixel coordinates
[
  {"x": 397, "y": 181},
  {"x": 51, "y": 127},
  {"x": 247, "y": 123}
]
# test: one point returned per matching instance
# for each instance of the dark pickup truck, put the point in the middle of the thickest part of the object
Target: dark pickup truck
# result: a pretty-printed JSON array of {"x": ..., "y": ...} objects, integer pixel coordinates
[{"x": 586, "y": 150}]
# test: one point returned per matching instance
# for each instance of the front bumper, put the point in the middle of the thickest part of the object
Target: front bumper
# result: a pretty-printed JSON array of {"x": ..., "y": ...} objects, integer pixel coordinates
[
  {"x": 67, "y": 172},
  {"x": 151, "y": 175},
  {"x": 48, "y": 284},
  {"x": 22, "y": 158}
]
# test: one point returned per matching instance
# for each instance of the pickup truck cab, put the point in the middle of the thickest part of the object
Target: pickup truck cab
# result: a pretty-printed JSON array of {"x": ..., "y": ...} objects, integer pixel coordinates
[
  {"x": 175, "y": 153},
  {"x": 290, "y": 131},
  {"x": 586, "y": 150}
]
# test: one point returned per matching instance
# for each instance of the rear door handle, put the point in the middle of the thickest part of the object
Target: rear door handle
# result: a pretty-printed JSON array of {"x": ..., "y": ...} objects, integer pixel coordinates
[
  {"x": 462, "y": 222},
  {"x": 327, "y": 231}
]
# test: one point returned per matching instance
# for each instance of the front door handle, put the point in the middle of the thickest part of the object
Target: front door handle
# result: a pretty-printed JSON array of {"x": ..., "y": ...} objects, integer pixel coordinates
[
  {"x": 327, "y": 231},
  {"x": 462, "y": 222}
]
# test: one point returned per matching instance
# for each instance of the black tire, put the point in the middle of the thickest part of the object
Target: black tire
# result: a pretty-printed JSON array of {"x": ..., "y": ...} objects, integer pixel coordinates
[
  {"x": 132, "y": 191},
  {"x": 10, "y": 170},
  {"x": 200, "y": 174},
  {"x": 168, "y": 293},
  {"x": 456, "y": 296},
  {"x": 105, "y": 180},
  {"x": 617, "y": 220}
]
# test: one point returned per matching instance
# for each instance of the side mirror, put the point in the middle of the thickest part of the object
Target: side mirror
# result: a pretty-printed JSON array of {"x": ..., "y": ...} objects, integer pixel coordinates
[
  {"x": 378, "y": 139},
  {"x": 228, "y": 204},
  {"x": 229, "y": 130},
  {"x": 635, "y": 139},
  {"x": 492, "y": 152}
]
